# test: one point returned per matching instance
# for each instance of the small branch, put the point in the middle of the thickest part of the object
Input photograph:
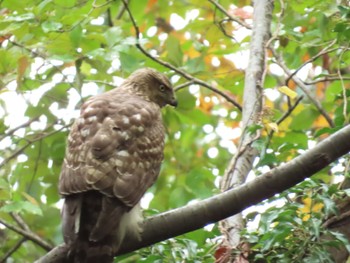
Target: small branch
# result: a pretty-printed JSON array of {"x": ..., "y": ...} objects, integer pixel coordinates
[
  {"x": 37, "y": 54},
  {"x": 24, "y": 125},
  {"x": 29, "y": 235},
  {"x": 324, "y": 51},
  {"x": 290, "y": 110},
  {"x": 221, "y": 26},
  {"x": 94, "y": 5},
  {"x": 283, "y": 117},
  {"x": 121, "y": 11},
  {"x": 325, "y": 79},
  {"x": 345, "y": 99},
  {"x": 12, "y": 250},
  {"x": 183, "y": 85},
  {"x": 303, "y": 87},
  {"x": 30, "y": 142},
  {"x": 223, "y": 10},
  {"x": 19, "y": 220},
  {"x": 178, "y": 71}
]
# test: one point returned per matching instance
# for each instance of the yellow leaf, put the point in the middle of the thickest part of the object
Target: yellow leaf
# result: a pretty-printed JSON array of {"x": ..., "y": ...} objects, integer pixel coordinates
[
  {"x": 273, "y": 126},
  {"x": 309, "y": 207},
  {"x": 287, "y": 91}
]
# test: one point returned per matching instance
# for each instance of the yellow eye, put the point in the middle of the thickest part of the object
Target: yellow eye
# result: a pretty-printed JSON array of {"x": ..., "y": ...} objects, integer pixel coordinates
[{"x": 162, "y": 88}]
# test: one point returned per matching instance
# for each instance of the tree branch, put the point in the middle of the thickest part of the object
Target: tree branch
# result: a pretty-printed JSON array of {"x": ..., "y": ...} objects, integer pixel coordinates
[
  {"x": 196, "y": 216},
  {"x": 19, "y": 220},
  {"x": 29, "y": 235},
  {"x": 30, "y": 142},
  {"x": 13, "y": 249},
  {"x": 24, "y": 125},
  {"x": 302, "y": 86},
  {"x": 325, "y": 79},
  {"x": 223, "y": 10},
  {"x": 170, "y": 66},
  {"x": 284, "y": 116},
  {"x": 324, "y": 51}
]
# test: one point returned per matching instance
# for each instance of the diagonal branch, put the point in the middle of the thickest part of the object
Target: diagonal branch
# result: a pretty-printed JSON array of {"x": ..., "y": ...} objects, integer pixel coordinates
[
  {"x": 170, "y": 66},
  {"x": 223, "y": 10},
  {"x": 30, "y": 142},
  {"x": 324, "y": 51},
  {"x": 13, "y": 249},
  {"x": 223, "y": 205},
  {"x": 19, "y": 220},
  {"x": 283, "y": 117},
  {"x": 23, "y": 125},
  {"x": 28, "y": 235},
  {"x": 302, "y": 86}
]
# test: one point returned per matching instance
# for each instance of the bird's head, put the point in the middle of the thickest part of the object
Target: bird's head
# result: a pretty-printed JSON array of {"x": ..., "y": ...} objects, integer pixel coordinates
[{"x": 153, "y": 85}]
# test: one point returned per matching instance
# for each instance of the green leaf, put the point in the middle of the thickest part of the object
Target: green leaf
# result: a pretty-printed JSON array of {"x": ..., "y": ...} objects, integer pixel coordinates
[
  {"x": 174, "y": 52},
  {"x": 49, "y": 26},
  {"x": 304, "y": 119},
  {"x": 186, "y": 100},
  {"x": 76, "y": 35},
  {"x": 128, "y": 62},
  {"x": 195, "y": 65},
  {"x": 113, "y": 36},
  {"x": 21, "y": 206}
]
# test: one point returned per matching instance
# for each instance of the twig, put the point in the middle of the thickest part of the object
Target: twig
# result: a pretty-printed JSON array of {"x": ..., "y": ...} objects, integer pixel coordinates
[
  {"x": 20, "y": 221},
  {"x": 29, "y": 235},
  {"x": 168, "y": 65},
  {"x": 94, "y": 5},
  {"x": 183, "y": 85},
  {"x": 36, "y": 166},
  {"x": 290, "y": 110},
  {"x": 221, "y": 26},
  {"x": 12, "y": 250},
  {"x": 12, "y": 131},
  {"x": 223, "y": 10},
  {"x": 121, "y": 11},
  {"x": 30, "y": 142},
  {"x": 283, "y": 117},
  {"x": 324, "y": 51},
  {"x": 345, "y": 99},
  {"x": 37, "y": 54},
  {"x": 325, "y": 79},
  {"x": 302, "y": 86}
]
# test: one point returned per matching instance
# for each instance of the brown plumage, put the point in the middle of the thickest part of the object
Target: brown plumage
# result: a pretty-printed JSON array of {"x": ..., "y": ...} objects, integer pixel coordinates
[{"x": 114, "y": 153}]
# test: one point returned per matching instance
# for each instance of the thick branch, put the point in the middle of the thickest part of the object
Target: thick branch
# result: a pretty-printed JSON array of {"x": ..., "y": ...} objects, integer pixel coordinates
[{"x": 196, "y": 216}]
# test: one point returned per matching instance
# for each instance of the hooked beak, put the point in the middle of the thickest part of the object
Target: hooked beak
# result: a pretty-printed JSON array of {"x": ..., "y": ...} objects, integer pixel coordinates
[{"x": 173, "y": 102}]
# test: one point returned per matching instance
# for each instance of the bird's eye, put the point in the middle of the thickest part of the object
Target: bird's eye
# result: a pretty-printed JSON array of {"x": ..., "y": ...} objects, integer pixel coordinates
[{"x": 162, "y": 88}]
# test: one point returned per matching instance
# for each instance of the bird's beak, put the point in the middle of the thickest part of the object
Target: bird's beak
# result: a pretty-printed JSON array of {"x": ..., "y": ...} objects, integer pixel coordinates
[{"x": 173, "y": 102}]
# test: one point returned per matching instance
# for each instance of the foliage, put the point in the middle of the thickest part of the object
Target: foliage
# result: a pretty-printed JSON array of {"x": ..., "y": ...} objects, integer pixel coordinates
[{"x": 56, "y": 53}]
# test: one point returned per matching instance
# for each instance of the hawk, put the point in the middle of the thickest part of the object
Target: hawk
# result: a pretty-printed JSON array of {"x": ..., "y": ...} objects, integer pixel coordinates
[{"x": 114, "y": 153}]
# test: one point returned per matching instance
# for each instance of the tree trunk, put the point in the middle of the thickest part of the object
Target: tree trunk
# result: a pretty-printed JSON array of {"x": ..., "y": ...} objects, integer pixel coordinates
[{"x": 242, "y": 162}]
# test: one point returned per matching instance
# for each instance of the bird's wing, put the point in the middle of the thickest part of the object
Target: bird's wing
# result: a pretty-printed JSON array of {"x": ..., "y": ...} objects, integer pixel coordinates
[{"x": 115, "y": 148}]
